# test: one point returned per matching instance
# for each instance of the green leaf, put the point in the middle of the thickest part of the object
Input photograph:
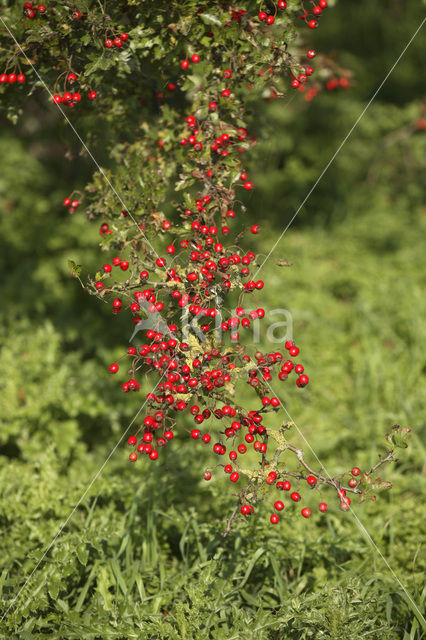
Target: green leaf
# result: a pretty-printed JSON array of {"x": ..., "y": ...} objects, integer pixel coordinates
[
  {"x": 208, "y": 18},
  {"x": 82, "y": 553},
  {"x": 74, "y": 268}
]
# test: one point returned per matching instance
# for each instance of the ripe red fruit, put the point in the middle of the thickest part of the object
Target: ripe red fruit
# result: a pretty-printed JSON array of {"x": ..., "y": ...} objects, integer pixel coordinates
[
  {"x": 132, "y": 440},
  {"x": 20, "y": 78},
  {"x": 275, "y": 518},
  {"x": 255, "y": 228},
  {"x": 323, "y": 507},
  {"x": 92, "y": 95},
  {"x": 282, "y": 4},
  {"x": 234, "y": 476},
  {"x": 270, "y": 20},
  {"x": 212, "y": 106},
  {"x": 118, "y": 42},
  {"x": 133, "y": 457},
  {"x": 11, "y": 78},
  {"x": 262, "y": 16},
  {"x": 226, "y": 93},
  {"x": 245, "y": 509},
  {"x": 207, "y": 475},
  {"x": 109, "y": 43},
  {"x": 293, "y": 351},
  {"x": 311, "y": 53},
  {"x": 311, "y": 480},
  {"x": 113, "y": 367},
  {"x": 295, "y": 496},
  {"x": 248, "y": 186},
  {"x": 352, "y": 483},
  {"x": 76, "y": 15},
  {"x": 302, "y": 381},
  {"x": 323, "y": 4},
  {"x": 124, "y": 36},
  {"x": 356, "y": 471},
  {"x": 312, "y": 24},
  {"x": 184, "y": 64},
  {"x": 306, "y": 512},
  {"x": 195, "y": 58},
  {"x": 279, "y": 505}
]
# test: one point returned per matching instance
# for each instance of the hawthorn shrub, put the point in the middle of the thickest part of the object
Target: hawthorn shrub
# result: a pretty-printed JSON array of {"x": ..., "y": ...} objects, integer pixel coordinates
[{"x": 179, "y": 262}]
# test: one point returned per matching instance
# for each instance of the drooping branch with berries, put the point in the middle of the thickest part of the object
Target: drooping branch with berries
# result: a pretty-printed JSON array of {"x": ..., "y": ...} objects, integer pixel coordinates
[{"x": 180, "y": 264}]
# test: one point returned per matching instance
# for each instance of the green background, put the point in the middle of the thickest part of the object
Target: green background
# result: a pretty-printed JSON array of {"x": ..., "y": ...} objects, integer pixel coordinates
[{"x": 143, "y": 556}]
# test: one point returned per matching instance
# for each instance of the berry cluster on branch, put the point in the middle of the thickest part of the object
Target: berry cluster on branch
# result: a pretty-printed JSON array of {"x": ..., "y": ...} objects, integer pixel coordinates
[{"x": 181, "y": 262}]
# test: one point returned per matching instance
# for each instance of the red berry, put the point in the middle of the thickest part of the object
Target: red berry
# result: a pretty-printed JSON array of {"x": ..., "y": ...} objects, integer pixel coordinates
[
  {"x": 275, "y": 518},
  {"x": 234, "y": 476},
  {"x": 92, "y": 95},
  {"x": 132, "y": 440},
  {"x": 279, "y": 505},
  {"x": 113, "y": 367},
  {"x": 311, "y": 53},
  {"x": 312, "y": 24},
  {"x": 295, "y": 496},
  {"x": 20, "y": 78},
  {"x": 302, "y": 381},
  {"x": 133, "y": 457},
  {"x": 306, "y": 512},
  {"x": 322, "y": 507},
  {"x": 311, "y": 480},
  {"x": 356, "y": 471},
  {"x": 207, "y": 475},
  {"x": 184, "y": 64},
  {"x": 195, "y": 58}
]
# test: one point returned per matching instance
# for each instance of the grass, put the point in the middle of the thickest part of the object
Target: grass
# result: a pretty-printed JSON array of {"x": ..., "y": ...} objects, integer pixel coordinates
[{"x": 143, "y": 556}]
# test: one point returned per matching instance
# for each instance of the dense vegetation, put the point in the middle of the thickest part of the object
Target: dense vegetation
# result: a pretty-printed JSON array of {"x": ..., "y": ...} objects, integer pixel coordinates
[{"x": 143, "y": 556}]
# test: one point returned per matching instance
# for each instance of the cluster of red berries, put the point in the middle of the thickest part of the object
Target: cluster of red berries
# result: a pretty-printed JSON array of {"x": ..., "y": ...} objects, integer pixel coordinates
[
  {"x": 12, "y": 78},
  {"x": 32, "y": 11},
  {"x": 221, "y": 145},
  {"x": 71, "y": 99},
  {"x": 71, "y": 204},
  {"x": 116, "y": 41},
  {"x": 317, "y": 11},
  {"x": 195, "y": 58},
  {"x": 336, "y": 83}
]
